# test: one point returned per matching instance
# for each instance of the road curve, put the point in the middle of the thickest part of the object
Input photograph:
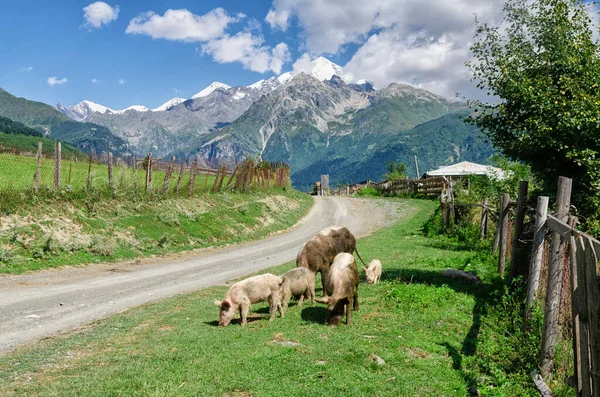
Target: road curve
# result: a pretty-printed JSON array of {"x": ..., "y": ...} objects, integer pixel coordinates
[{"x": 42, "y": 304}]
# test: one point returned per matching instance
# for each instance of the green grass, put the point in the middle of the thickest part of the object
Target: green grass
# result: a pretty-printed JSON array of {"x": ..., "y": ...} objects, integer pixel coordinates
[
  {"x": 57, "y": 233},
  {"x": 422, "y": 324}
]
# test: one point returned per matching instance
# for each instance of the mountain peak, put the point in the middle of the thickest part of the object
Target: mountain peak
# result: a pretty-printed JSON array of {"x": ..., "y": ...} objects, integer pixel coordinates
[
  {"x": 215, "y": 85},
  {"x": 169, "y": 104}
]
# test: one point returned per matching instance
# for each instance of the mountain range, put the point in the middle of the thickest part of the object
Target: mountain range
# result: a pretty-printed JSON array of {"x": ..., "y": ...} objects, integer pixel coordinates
[{"x": 319, "y": 121}]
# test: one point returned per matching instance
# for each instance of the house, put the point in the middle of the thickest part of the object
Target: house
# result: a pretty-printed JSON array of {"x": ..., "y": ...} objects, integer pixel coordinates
[{"x": 466, "y": 168}]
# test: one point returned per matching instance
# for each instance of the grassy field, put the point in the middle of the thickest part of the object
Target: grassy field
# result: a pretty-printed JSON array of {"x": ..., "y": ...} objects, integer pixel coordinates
[
  {"x": 424, "y": 326},
  {"x": 58, "y": 233},
  {"x": 17, "y": 174}
]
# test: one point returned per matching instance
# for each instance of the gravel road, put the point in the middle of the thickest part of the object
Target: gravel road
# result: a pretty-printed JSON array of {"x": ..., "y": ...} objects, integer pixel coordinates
[{"x": 42, "y": 304}]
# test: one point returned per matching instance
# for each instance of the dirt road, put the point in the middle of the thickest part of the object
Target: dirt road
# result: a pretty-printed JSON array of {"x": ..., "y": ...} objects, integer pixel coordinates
[{"x": 38, "y": 305}]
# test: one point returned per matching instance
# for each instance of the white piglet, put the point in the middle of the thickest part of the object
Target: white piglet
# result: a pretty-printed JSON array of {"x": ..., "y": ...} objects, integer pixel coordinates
[
  {"x": 373, "y": 272},
  {"x": 246, "y": 292}
]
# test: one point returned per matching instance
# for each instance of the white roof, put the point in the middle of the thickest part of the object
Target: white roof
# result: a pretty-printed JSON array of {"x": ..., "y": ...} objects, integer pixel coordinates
[{"x": 467, "y": 168}]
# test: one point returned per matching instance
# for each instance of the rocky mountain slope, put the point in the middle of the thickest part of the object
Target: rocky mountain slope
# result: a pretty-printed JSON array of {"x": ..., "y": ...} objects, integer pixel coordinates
[
  {"x": 344, "y": 129},
  {"x": 89, "y": 137}
]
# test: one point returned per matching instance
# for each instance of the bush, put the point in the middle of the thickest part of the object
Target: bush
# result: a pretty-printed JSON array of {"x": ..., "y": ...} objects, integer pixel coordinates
[{"x": 369, "y": 191}]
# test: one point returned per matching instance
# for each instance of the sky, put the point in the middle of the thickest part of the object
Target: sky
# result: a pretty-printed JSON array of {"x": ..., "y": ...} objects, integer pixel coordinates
[{"x": 120, "y": 53}]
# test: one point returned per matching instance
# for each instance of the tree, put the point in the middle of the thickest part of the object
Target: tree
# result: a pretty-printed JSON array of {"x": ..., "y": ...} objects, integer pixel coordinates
[
  {"x": 396, "y": 170},
  {"x": 543, "y": 66}
]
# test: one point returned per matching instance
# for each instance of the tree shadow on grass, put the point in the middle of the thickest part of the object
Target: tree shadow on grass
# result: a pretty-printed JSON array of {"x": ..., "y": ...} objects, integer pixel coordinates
[
  {"x": 315, "y": 314},
  {"x": 446, "y": 245},
  {"x": 481, "y": 292}
]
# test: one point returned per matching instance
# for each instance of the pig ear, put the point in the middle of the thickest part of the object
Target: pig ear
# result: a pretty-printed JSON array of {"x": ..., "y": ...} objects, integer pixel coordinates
[
  {"x": 324, "y": 300},
  {"x": 217, "y": 302},
  {"x": 365, "y": 269},
  {"x": 225, "y": 305}
]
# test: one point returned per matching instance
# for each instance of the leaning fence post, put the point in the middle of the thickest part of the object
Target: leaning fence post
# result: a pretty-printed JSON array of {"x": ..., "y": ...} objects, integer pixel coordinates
[
  {"x": 181, "y": 172},
  {"x": 484, "y": 220},
  {"x": 89, "y": 175},
  {"x": 515, "y": 268},
  {"x": 167, "y": 180},
  {"x": 537, "y": 251},
  {"x": 110, "y": 171},
  {"x": 503, "y": 231},
  {"x": 57, "y": 164},
  {"x": 36, "y": 176},
  {"x": 554, "y": 286},
  {"x": 192, "y": 178}
]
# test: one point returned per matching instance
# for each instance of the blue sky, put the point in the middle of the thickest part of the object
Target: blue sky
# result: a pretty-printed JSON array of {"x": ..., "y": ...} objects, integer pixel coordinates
[{"x": 70, "y": 50}]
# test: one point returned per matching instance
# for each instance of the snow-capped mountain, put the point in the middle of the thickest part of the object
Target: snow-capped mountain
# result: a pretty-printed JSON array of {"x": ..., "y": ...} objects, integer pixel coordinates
[
  {"x": 169, "y": 104},
  {"x": 323, "y": 69},
  {"x": 215, "y": 85},
  {"x": 137, "y": 108},
  {"x": 83, "y": 109}
]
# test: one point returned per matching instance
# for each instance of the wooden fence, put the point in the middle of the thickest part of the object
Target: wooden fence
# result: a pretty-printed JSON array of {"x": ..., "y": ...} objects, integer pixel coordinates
[
  {"x": 399, "y": 187},
  {"x": 583, "y": 252},
  {"x": 263, "y": 174}
]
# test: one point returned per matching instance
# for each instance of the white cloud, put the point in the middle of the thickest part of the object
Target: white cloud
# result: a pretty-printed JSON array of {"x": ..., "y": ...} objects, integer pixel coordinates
[
  {"x": 249, "y": 50},
  {"x": 53, "y": 81},
  {"x": 27, "y": 69},
  {"x": 122, "y": 81},
  {"x": 278, "y": 19},
  {"x": 183, "y": 25},
  {"x": 95, "y": 80},
  {"x": 178, "y": 91},
  {"x": 399, "y": 40},
  {"x": 99, "y": 13}
]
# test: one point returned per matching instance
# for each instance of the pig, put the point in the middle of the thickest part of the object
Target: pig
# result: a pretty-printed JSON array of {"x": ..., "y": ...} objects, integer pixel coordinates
[
  {"x": 298, "y": 281},
  {"x": 373, "y": 271},
  {"x": 318, "y": 253},
  {"x": 342, "y": 289},
  {"x": 246, "y": 292}
]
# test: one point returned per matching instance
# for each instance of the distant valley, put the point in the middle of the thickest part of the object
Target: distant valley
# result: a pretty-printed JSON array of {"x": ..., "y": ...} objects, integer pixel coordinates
[{"x": 321, "y": 121}]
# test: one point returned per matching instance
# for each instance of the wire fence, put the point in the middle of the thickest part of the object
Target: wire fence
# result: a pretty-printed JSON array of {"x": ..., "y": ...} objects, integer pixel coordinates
[{"x": 43, "y": 171}]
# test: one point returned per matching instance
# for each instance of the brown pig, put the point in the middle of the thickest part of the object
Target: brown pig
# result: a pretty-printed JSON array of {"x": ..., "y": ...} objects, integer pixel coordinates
[
  {"x": 317, "y": 254},
  {"x": 342, "y": 288},
  {"x": 246, "y": 292},
  {"x": 373, "y": 271},
  {"x": 298, "y": 281}
]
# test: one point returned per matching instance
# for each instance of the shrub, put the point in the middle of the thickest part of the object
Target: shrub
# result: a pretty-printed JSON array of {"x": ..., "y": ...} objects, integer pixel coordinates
[{"x": 369, "y": 191}]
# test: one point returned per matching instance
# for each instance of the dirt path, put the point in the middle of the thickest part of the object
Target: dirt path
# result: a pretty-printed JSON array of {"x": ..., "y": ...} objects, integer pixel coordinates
[{"x": 41, "y": 304}]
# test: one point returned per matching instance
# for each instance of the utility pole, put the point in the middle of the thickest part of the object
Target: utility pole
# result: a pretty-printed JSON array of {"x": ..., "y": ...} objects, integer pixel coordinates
[{"x": 417, "y": 167}]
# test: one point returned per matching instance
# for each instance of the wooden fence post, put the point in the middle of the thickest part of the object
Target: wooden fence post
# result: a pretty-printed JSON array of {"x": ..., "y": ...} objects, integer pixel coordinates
[
  {"x": 148, "y": 173},
  {"x": 537, "y": 251},
  {"x": 57, "y": 164},
  {"x": 181, "y": 172},
  {"x": 580, "y": 319},
  {"x": 451, "y": 210},
  {"x": 484, "y": 220},
  {"x": 517, "y": 269},
  {"x": 111, "y": 182},
  {"x": 36, "y": 176},
  {"x": 503, "y": 232},
  {"x": 168, "y": 173},
  {"x": 89, "y": 175},
  {"x": 70, "y": 172},
  {"x": 554, "y": 286},
  {"x": 192, "y": 178},
  {"x": 593, "y": 297}
]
